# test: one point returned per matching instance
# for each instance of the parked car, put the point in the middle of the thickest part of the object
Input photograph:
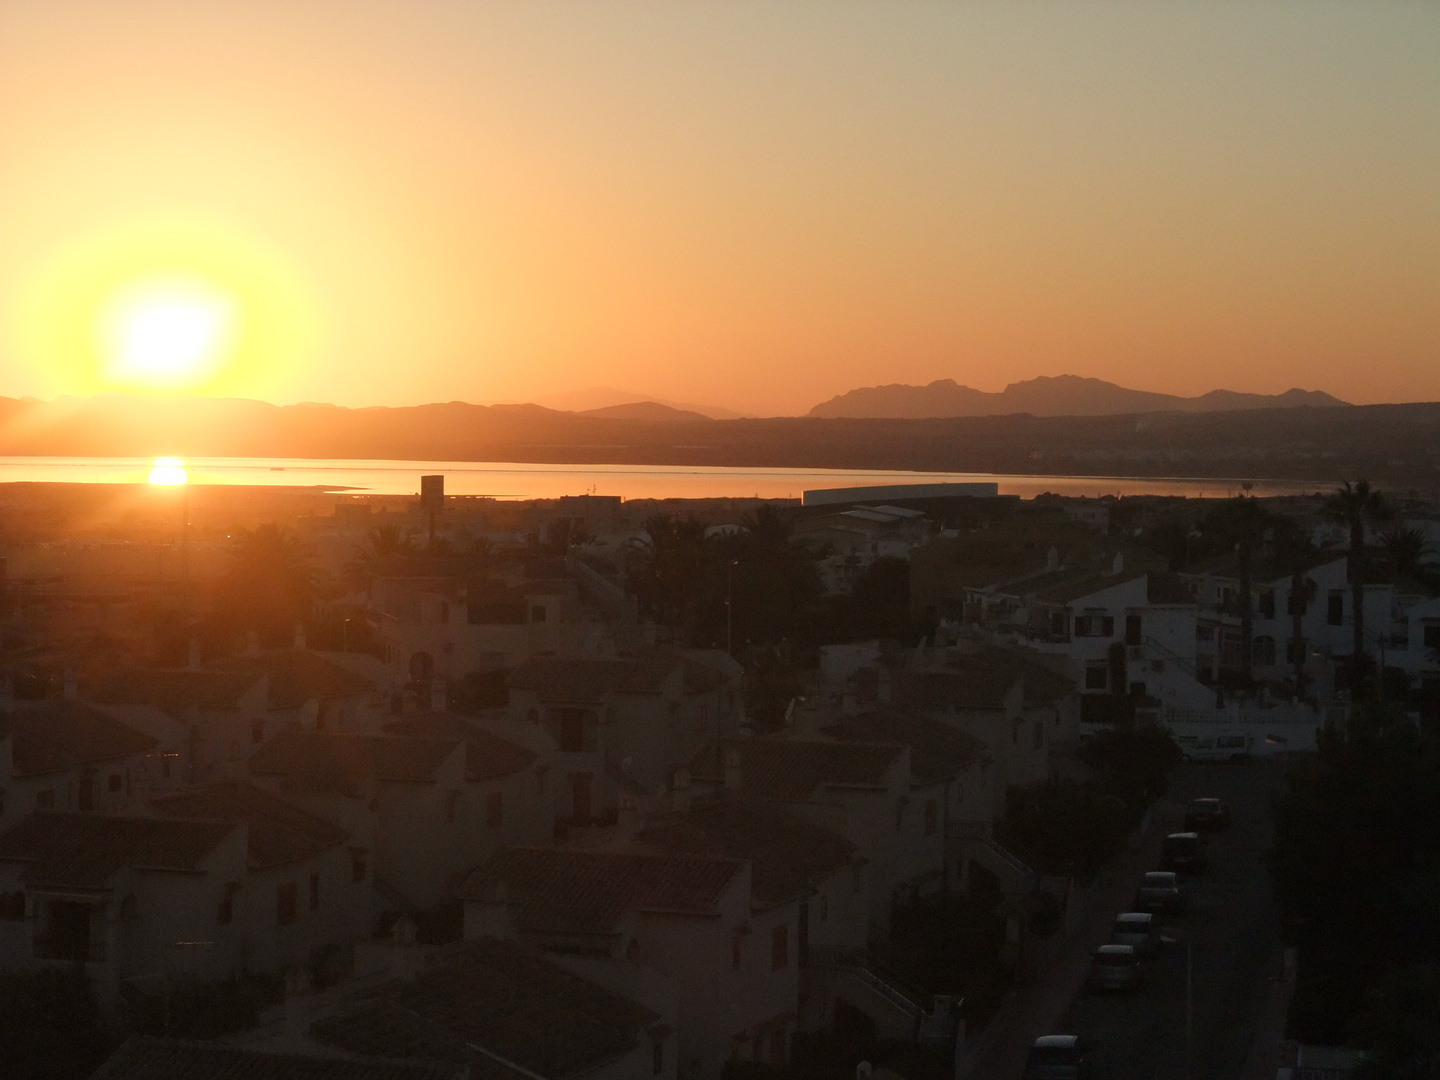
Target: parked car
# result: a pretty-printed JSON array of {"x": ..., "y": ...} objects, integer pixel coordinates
[
  {"x": 1159, "y": 891},
  {"x": 1115, "y": 967},
  {"x": 1058, "y": 1057},
  {"x": 1228, "y": 746},
  {"x": 1205, "y": 815},
  {"x": 1183, "y": 851},
  {"x": 1136, "y": 929}
]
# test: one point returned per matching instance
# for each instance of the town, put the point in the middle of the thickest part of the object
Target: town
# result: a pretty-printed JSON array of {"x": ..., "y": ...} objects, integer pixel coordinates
[{"x": 710, "y": 789}]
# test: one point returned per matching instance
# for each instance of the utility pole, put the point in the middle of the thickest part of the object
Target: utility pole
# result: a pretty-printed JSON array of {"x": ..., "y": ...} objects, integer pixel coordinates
[
  {"x": 1189, "y": 1006},
  {"x": 730, "y": 607}
]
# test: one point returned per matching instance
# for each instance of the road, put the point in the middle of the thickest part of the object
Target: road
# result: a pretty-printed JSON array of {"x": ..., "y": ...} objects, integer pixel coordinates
[{"x": 1232, "y": 922}]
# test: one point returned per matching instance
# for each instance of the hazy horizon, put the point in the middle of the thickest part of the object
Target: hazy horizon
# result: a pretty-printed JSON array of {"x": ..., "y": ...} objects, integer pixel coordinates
[{"x": 754, "y": 206}]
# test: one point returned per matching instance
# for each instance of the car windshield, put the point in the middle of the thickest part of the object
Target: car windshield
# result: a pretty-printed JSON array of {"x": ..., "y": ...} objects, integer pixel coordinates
[
  {"x": 1115, "y": 959},
  {"x": 1206, "y": 804},
  {"x": 1159, "y": 881},
  {"x": 1054, "y": 1055},
  {"x": 1130, "y": 928}
]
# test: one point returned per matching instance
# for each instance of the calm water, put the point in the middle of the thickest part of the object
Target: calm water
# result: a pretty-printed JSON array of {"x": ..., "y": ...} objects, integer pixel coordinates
[{"x": 506, "y": 480}]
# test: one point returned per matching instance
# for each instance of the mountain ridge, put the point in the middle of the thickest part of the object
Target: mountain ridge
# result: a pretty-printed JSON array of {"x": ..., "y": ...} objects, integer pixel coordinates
[{"x": 1057, "y": 395}]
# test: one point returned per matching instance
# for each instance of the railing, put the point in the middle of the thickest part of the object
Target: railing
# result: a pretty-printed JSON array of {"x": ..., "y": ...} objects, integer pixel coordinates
[
  {"x": 865, "y": 968},
  {"x": 980, "y": 834}
]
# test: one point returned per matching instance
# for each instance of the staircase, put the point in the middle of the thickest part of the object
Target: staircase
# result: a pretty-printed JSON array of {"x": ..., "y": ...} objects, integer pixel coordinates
[
  {"x": 854, "y": 976},
  {"x": 978, "y": 845}
]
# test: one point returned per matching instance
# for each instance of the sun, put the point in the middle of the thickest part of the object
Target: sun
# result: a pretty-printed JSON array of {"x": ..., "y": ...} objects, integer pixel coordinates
[{"x": 166, "y": 333}]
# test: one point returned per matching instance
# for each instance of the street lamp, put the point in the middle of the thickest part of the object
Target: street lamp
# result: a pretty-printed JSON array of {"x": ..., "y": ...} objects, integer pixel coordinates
[{"x": 1189, "y": 998}]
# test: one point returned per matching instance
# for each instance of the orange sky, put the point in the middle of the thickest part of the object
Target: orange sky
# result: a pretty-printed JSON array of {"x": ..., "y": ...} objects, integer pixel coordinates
[{"x": 754, "y": 205}]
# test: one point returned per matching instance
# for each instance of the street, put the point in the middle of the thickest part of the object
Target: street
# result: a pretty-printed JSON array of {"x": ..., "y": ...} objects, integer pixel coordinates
[{"x": 1230, "y": 920}]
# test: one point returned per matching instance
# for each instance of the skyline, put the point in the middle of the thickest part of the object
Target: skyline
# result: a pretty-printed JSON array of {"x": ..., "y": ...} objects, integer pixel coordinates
[{"x": 755, "y": 208}]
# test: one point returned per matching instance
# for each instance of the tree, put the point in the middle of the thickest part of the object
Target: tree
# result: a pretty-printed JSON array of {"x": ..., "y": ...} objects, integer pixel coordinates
[
  {"x": 1357, "y": 506},
  {"x": 1245, "y": 525},
  {"x": 1295, "y": 553},
  {"x": 1404, "y": 549},
  {"x": 382, "y": 543},
  {"x": 270, "y": 584}
]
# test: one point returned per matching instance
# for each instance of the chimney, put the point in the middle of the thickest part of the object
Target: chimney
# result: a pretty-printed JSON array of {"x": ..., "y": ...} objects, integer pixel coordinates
[
  {"x": 72, "y": 685},
  {"x": 1118, "y": 566},
  {"x": 300, "y": 636},
  {"x": 438, "y": 699},
  {"x": 732, "y": 768},
  {"x": 680, "y": 790},
  {"x": 192, "y": 654}
]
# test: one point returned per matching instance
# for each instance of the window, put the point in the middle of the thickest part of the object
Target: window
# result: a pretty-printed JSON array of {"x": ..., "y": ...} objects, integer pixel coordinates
[
  {"x": 1132, "y": 630},
  {"x": 900, "y": 814},
  {"x": 495, "y": 809},
  {"x": 572, "y": 730},
  {"x": 1431, "y": 636},
  {"x": 45, "y": 800},
  {"x": 932, "y": 817},
  {"x": 1267, "y": 603},
  {"x": 1097, "y": 677},
  {"x": 735, "y": 952},
  {"x": 1039, "y": 735},
  {"x": 116, "y": 781},
  {"x": 130, "y": 908},
  {"x": 234, "y": 752},
  {"x": 452, "y": 801},
  {"x": 1262, "y": 651},
  {"x": 357, "y": 868},
  {"x": 537, "y": 613},
  {"x": 1094, "y": 626},
  {"x": 657, "y": 1057},
  {"x": 1204, "y": 633},
  {"x": 314, "y": 892},
  {"x": 1335, "y": 608},
  {"x": 780, "y": 947},
  {"x": 540, "y": 771},
  {"x": 632, "y": 950},
  {"x": 167, "y": 762},
  {"x": 824, "y": 907},
  {"x": 12, "y": 906},
  {"x": 257, "y": 731},
  {"x": 285, "y": 904}
]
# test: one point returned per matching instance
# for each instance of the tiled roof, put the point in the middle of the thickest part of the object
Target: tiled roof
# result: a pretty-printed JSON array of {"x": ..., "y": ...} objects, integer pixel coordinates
[
  {"x": 937, "y": 751},
  {"x": 174, "y": 1059},
  {"x": 795, "y": 770},
  {"x": 982, "y": 687},
  {"x": 342, "y": 762},
  {"x": 1043, "y": 685},
  {"x": 587, "y": 892},
  {"x": 1065, "y": 586},
  {"x": 487, "y": 756},
  {"x": 788, "y": 855},
  {"x": 1166, "y": 588},
  {"x": 58, "y": 736},
  {"x": 498, "y": 995},
  {"x": 280, "y": 834},
  {"x": 85, "y": 850},
  {"x": 298, "y": 676},
  {"x": 174, "y": 690},
  {"x": 586, "y": 681}
]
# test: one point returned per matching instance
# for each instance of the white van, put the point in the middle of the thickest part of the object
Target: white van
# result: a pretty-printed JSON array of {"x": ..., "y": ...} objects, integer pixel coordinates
[{"x": 1222, "y": 746}]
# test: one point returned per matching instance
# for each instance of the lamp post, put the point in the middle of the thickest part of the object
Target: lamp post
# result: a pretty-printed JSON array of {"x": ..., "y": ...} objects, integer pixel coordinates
[
  {"x": 1189, "y": 998},
  {"x": 730, "y": 607}
]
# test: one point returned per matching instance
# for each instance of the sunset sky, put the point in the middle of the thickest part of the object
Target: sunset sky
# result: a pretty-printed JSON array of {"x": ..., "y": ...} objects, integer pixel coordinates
[{"x": 752, "y": 205}]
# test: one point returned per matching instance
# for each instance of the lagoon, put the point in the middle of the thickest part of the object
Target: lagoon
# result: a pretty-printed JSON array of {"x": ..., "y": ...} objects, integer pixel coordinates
[{"x": 524, "y": 480}]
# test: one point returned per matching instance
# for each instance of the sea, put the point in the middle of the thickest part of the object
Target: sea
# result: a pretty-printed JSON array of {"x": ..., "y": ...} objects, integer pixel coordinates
[{"x": 522, "y": 480}]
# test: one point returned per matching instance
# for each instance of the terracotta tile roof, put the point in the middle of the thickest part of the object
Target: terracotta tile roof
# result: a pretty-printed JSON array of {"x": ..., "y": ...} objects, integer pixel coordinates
[
  {"x": 85, "y": 850},
  {"x": 587, "y": 892},
  {"x": 937, "y": 750},
  {"x": 487, "y": 756},
  {"x": 342, "y": 762},
  {"x": 280, "y": 834},
  {"x": 498, "y": 995},
  {"x": 563, "y": 680},
  {"x": 979, "y": 687},
  {"x": 788, "y": 855},
  {"x": 57, "y": 736},
  {"x": 298, "y": 676},
  {"x": 1043, "y": 685},
  {"x": 796, "y": 769},
  {"x": 174, "y": 1059},
  {"x": 1065, "y": 586},
  {"x": 174, "y": 690}
]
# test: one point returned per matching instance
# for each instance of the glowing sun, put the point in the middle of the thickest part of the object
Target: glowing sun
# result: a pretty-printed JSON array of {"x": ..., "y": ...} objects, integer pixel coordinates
[{"x": 166, "y": 333}]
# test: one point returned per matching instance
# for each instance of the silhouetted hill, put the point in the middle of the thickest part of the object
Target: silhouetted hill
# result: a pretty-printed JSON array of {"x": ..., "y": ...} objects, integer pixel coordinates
[
  {"x": 1398, "y": 445},
  {"x": 1061, "y": 395},
  {"x": 644, "y": 410}
]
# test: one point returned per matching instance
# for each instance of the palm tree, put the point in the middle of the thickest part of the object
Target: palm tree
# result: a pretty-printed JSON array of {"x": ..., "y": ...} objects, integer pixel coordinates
[
  {"x": 1295, "y": 553},
  {"x": 1404, "y": 549},
  {"x": 1247, "y": 525},
  {"x": 1357, "y": 506},
  {"x": 383, "y": 542},
  {"x": 270, "y": 583}
]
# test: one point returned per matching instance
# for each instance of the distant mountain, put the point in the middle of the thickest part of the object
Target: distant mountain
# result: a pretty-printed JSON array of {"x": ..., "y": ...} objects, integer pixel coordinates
[
  {"x": 603, "y": 397},
  {"x": 652, "y": 411},
  {"x": 1061, "y": 395}
]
